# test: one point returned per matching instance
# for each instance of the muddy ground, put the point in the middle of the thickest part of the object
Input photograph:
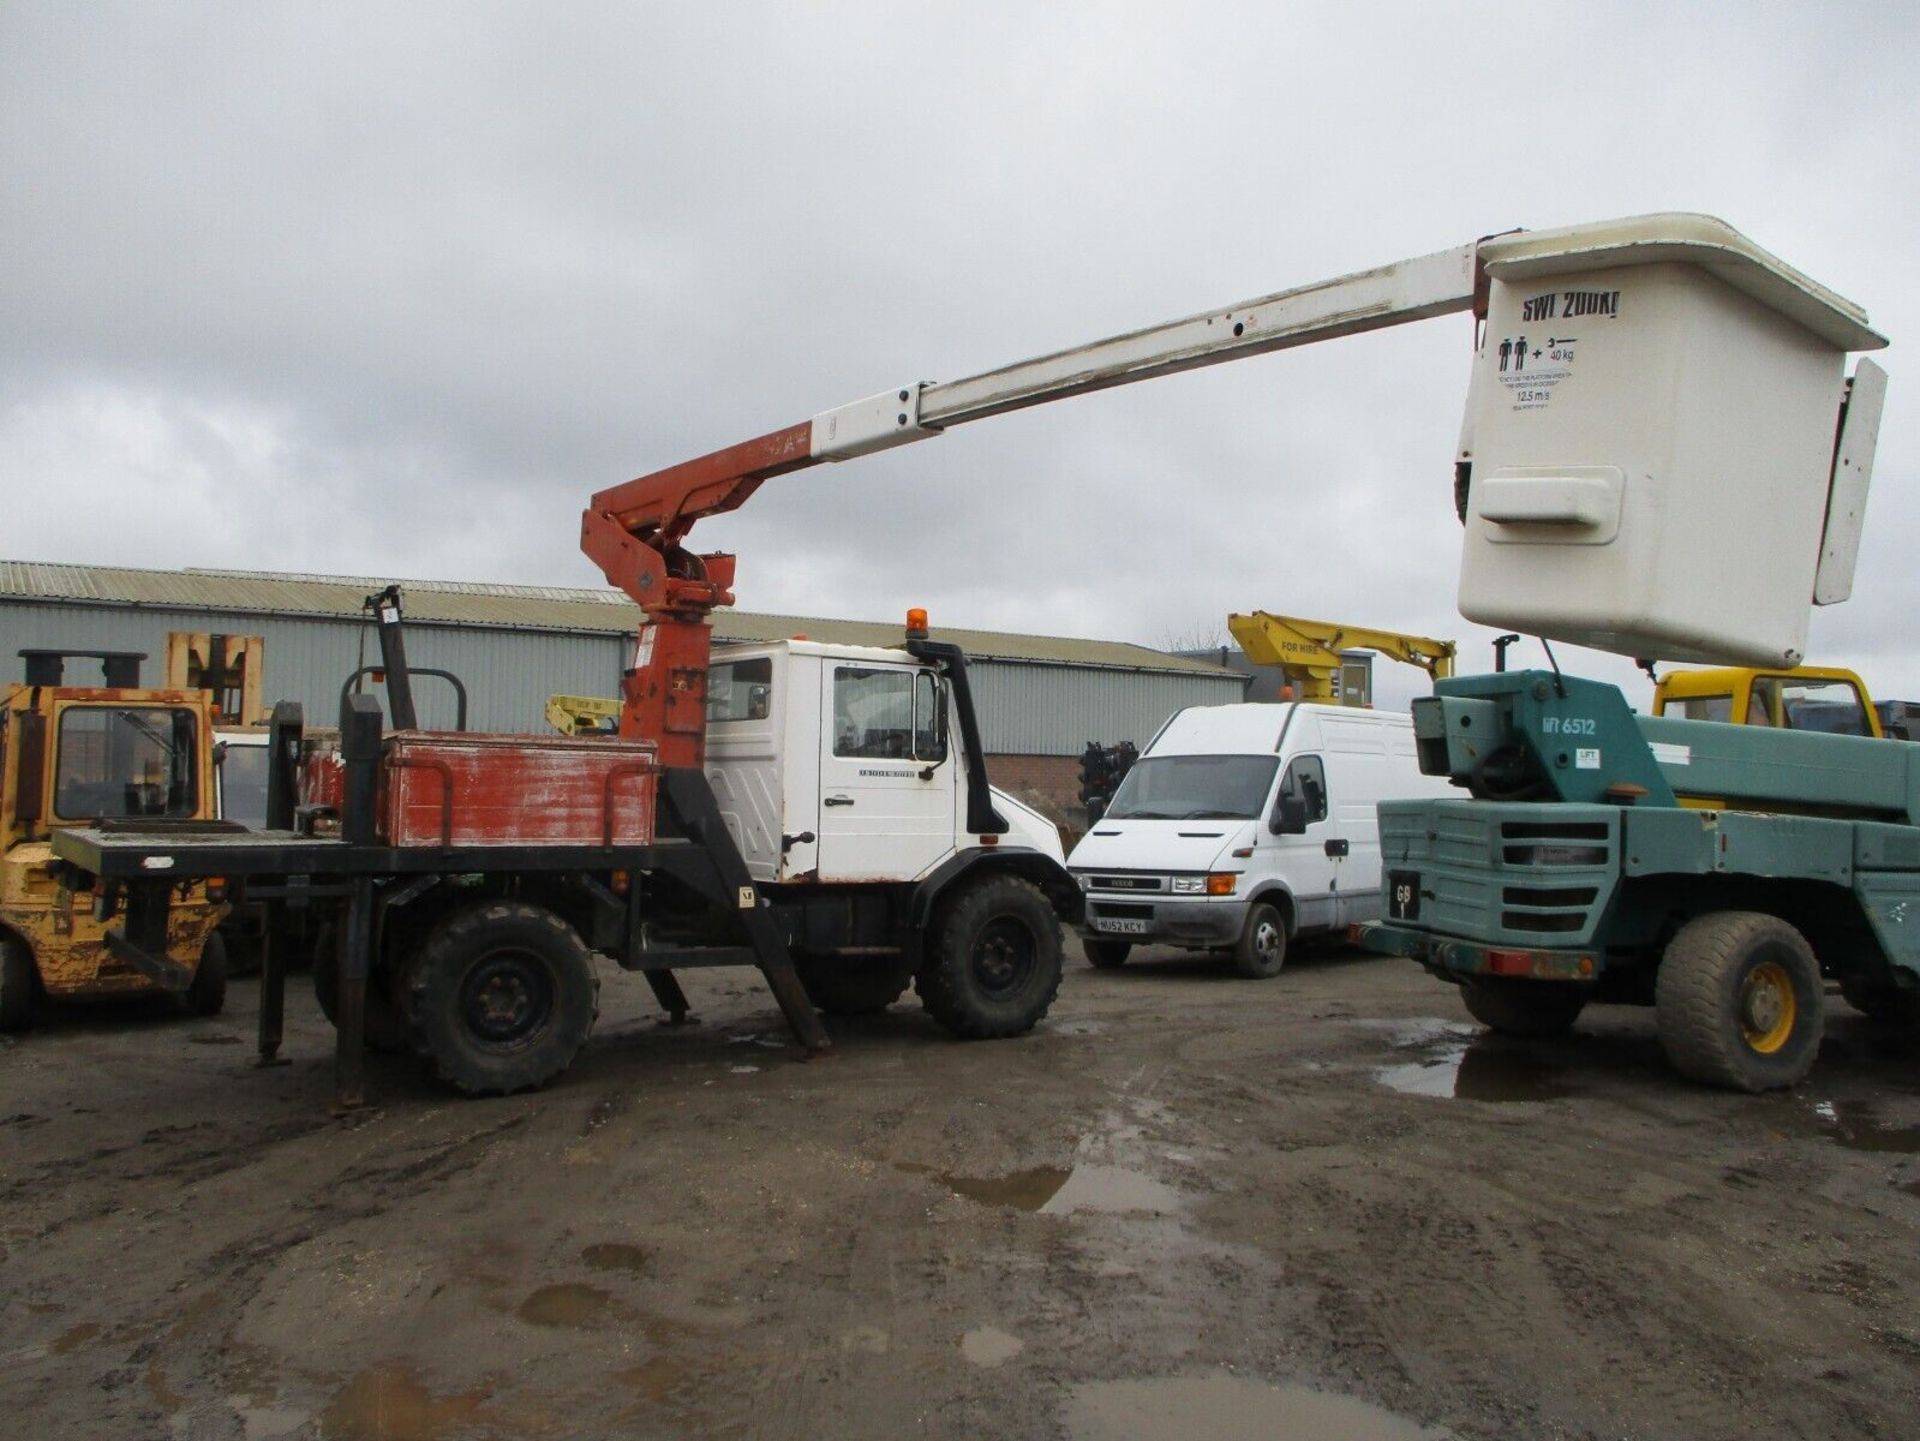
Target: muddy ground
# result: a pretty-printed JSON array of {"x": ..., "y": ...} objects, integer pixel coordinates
[{"x": 1188, "y": 1206}]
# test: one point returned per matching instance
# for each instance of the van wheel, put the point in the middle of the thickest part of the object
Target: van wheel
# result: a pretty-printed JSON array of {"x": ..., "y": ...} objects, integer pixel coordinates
[
  {"x": 501, "y": 997},
  {"x": 1107, "y": 955},
  {"x": 994, "y": 966},
  {"x": 1738, "y": 1000},
  {"x": 850, "y": 986},
  {"x": 1261, "y": 951},
  {"x": 382, "y": 1027},
  {"x": 206, "y": 994},
  {"x": 16, "y": 985},
  {"x": 1532, "y": 1010}
]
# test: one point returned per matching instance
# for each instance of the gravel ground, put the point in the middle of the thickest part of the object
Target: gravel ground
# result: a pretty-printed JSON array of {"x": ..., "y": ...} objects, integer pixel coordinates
[{"x": 1187, "y": 1206}]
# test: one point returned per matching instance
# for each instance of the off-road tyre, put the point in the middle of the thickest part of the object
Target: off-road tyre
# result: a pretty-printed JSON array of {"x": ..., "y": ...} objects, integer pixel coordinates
[
  {"x": 501, "y": 997},
  {"x": 851, "y": 985},
  {"x": 1739, "y": 1001},
  {"x": 206, "y": 994},
  {"x": 1530, "y": 1010},
  {"x": 1892, "y": 1006},
  {"x": 17, "y": 983},
  {"x": 993, "y": 964},
  {"x": 1261, "y": 951},
  {"x": 382, "y": 1027},
  {"x": 1106, "y": 955}
]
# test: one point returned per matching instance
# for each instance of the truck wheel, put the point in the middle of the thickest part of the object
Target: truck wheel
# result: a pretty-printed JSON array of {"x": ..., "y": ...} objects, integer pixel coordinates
[
  {"x": 1884, "y": 1005},
  {"x": 501, "y": 997},
  {"x": 206, "y": 994},
  {"x": 16, "y": 985},
  {"x": 993, "y": 968},
  {"x": 1106, "y": 955},
  {"x": 1532, "y": 1010},
  {"x": 851, "y": 986},
  {"x": 1261, "y": 951},
  {"x": 381, "y": 1026},
  {"x": 1738, "y": 998}
]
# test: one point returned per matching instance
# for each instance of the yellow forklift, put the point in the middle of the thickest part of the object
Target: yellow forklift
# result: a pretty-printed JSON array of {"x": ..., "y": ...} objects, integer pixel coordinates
[{"x": 96, "y": 756}]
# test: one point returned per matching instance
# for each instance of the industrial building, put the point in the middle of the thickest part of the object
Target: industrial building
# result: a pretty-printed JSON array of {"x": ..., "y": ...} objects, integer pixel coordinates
[{"x": 1041, "y": 699}]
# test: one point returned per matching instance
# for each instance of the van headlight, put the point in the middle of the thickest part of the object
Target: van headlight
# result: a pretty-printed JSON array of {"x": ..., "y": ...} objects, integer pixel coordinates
[{"x": 1188, "y": 885}]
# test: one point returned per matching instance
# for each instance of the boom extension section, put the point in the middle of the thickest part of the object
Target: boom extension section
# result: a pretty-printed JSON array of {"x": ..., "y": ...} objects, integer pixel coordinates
[
  {"x": 636, "y": 532},
  {"x": 1308, "y": 651}
]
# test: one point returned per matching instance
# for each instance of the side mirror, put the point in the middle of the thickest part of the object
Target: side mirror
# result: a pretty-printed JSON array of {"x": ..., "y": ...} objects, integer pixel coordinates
[
  {"x": 219, "y": 752},
  {"x": 1289, "y": 816}
]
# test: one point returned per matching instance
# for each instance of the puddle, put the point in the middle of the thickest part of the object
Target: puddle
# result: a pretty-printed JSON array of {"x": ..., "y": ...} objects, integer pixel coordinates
[
  {"x": 1912, "y": 1188},
  {"x": 1857, "y": 1126},
  {"x": 1111, "y": 1188},
  {"x": 1421, "y": 1031},
  {"x": 1485, "y": 1071},
  {"x": 990, "y": 1346},
  {"x": 74, "y": 1339},
  {"x": 1230, "y": 1408},
  {"x": 658, "y": 1379},
  {"x": 1059, "y": 1191},
  {"x": 567, "y": 1304},
  {"x": 390, "y": 1403},
  {"x": 616, "y": 1256},
  {"x": 268, "y": 1423},
  {"x": 1023, "y": 1190}
]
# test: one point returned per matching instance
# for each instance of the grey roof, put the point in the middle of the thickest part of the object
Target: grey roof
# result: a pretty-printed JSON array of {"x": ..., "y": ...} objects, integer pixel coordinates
[{"x": 567, "y": 609}]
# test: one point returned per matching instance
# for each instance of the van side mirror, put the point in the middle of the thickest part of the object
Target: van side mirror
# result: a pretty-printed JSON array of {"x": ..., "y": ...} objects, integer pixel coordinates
[{"x": 1289, "y": 815}]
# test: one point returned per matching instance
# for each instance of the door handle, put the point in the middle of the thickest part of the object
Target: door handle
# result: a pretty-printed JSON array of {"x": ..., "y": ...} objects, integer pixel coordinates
[
  {"x": 1337, "y": 847},
  {"x": 839, "y": 800}
]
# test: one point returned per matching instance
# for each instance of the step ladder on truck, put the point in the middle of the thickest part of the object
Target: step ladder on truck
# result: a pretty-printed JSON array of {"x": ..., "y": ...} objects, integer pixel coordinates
[{"x": 774, "y": 803}]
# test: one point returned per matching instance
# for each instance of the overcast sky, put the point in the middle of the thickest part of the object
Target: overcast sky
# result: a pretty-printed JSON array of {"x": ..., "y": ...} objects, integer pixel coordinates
[{"x": 391, "y": 290}]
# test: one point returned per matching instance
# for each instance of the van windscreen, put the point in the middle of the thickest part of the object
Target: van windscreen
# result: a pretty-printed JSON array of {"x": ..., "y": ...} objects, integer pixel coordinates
[{"x": 1191, "y": 788}]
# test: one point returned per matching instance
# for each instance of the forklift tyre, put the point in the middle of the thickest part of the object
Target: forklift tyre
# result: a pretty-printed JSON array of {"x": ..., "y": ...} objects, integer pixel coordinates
[
  {"x": 1883, "y": 1005},
  {"x": 381, "y": 1026},
  {"x": 1106, "y": 955},
  {"x": 1738, "y": 999},
  {"x": 1531, "y": 1010},
  {"x": 993, "y": 967},
  {"x": 1261, "y": 951},
  {"x": 206, "y": 994},
  {"x": 850, "y": 986},
  {"x": 501, "y": 997},
  {"x": 16, "y": 984}
]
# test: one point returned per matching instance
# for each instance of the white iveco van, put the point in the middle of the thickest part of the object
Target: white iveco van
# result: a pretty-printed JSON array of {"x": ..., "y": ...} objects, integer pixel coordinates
[{"x": 1241, "y": 826}]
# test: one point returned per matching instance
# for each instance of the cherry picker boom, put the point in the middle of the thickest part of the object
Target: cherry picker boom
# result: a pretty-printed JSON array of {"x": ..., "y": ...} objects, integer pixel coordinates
[{"x": 824, "y": 812}]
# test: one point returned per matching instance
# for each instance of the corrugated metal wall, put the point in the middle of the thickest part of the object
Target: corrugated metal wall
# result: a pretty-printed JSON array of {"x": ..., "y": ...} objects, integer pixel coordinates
[
  {"x": 1026, "y": 708},
  {"x": 508, "y": 674},
  {"x": 1054, "y": 710}
]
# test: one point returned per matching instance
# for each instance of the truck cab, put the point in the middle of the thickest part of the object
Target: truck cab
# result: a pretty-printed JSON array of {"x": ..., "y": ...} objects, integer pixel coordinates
[
  {"x": 840, "y": 764},
  {"x": 1808, "y": 698},
  {"x": 1243, "y": 826},
  {"x": 82, "y": 755}
]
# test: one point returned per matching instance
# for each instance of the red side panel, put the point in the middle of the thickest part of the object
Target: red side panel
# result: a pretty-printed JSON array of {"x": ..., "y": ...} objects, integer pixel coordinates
[{"x": 477, "y": 790}]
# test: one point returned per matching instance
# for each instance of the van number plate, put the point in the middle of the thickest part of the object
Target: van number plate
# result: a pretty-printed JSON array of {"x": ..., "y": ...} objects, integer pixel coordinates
[
  {"x": 1403, "y": 895},
  {"x": 1124, "y": 928}
]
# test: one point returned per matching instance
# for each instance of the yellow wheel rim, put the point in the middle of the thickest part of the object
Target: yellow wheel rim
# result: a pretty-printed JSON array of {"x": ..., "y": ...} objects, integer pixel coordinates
[{"x": 1768, "y": 1007}]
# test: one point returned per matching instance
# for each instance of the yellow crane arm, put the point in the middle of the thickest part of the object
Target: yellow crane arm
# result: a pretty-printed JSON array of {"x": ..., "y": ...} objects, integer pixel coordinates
[
  {"x": 582, "y": 715},
  {"x": 1309, "y": 650}
]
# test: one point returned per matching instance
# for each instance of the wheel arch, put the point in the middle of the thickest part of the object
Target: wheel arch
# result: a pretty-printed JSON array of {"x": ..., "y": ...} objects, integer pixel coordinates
[
  {"x": 1276, "y": 893},
  {"x": 1042, "y": 870}
]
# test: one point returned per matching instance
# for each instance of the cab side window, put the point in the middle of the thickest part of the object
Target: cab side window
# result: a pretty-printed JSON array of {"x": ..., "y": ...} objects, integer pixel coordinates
[
  {"x": 740, "y": 690},
  {"x": 1303, "y": 792}
]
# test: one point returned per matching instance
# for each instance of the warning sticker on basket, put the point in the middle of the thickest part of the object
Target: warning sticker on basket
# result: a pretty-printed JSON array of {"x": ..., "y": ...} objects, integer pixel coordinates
[
  {"x": 1587, "y": 758},
  {"x": 1536, "y": 359}
]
